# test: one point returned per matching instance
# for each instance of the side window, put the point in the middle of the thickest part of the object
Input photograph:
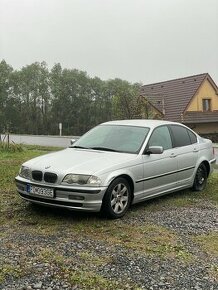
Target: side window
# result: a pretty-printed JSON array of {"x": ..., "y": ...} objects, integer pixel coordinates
[
  {"x": 161, "y": 137},
  {"x": 192, "y": 137},
  {"x": 181, "y": 136}
]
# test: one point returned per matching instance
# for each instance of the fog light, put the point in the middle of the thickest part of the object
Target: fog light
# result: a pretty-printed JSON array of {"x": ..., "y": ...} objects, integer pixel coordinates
[{"x": 76, "y": 197}]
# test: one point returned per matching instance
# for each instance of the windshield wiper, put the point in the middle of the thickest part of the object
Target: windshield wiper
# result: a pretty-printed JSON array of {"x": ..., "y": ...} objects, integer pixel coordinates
[
  {"x": 79, "y": 147},
  {"x": 104, "y": 149},
  {"x": 95, "y": 148}
]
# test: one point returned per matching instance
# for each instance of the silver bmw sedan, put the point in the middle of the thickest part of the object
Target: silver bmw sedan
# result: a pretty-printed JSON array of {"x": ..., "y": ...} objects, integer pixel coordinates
[{"x": 117, "y": 164}]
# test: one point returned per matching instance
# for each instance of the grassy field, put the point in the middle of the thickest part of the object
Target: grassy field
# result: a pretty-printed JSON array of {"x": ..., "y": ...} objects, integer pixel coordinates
[{"x": 19, "y": 216}]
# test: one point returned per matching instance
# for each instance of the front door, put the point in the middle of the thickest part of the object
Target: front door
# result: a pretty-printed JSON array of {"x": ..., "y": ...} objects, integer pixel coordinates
[{"x": 160, "y": 170}]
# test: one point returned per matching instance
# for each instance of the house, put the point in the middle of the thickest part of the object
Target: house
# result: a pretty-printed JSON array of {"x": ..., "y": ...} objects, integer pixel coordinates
[{"x": 191, "y": 100}]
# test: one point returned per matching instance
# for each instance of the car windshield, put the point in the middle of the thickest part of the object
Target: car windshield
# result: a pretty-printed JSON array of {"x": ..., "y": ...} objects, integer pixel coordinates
[{"x": 116, "y": 138}]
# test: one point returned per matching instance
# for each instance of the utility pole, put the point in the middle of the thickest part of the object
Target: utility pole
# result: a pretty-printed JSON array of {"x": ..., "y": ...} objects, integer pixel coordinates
[{"x": 60, "y": 129}]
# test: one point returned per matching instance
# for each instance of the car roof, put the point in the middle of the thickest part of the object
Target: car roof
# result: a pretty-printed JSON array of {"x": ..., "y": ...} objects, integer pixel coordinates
[{"x": 140, "y": 122}]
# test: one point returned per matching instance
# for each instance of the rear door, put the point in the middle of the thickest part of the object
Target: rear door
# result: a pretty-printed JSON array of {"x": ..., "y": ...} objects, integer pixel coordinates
[{"x": 187, "y": 151}]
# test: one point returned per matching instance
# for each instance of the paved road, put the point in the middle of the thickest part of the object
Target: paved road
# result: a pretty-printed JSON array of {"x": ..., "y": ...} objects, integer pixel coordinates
[{"x": 56, "y": 141}]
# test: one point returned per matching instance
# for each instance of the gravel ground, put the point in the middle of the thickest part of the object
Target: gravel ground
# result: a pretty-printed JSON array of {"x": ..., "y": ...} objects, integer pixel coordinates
[
  {"x": 193, "y": 221},
  {"x": 121, "y": 264}
]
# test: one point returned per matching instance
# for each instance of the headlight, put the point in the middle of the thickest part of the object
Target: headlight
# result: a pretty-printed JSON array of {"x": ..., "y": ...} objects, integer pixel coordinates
[
  {"x": 25, "y": 172},
  {"x": 82, "y": 179}
]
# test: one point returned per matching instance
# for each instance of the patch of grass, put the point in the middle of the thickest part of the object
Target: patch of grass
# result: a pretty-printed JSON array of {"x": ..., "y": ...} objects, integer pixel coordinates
[
  {"x": 87, "y": 256},
  {"x": 11, "y": 270},
  {"x": 43, "y": 148},
  {"x": 211, "y": 190},
  {"x": 11, "y": 147},
  {"x": 90, "y": 280},
  {"x": 209, "y": 243},
  {"x": 48, "y": 255},
  {"x": 8, "y": 270},
  {"x": 10, "y": 163},
  {"x": 213, "y": 271},
  {"x": 11, "y": 205}
]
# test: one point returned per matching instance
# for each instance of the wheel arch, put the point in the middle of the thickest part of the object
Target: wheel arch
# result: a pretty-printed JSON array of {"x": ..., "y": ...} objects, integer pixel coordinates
[
  {"x": 106, "y": 208},
  {"x": 129, "y": 180},
  {"x": 207, "y": 165},
  {"x": 201, "y": 175}
]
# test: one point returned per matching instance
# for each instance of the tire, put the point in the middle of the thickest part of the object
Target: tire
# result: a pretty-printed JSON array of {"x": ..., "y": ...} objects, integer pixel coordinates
[
  {"x": 117, "y": 199},
  {"x": 200, "y": 178}
]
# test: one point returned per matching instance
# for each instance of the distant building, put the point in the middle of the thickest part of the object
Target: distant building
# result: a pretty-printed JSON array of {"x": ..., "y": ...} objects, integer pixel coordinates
[{"x": 192, "y": 101}]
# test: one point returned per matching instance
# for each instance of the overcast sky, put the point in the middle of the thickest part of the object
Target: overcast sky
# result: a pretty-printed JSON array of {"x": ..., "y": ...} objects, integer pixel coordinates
[{"x": 138, "y": 40}]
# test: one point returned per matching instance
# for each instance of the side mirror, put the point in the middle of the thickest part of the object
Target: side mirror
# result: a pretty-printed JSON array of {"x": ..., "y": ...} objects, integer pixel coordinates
[
  {"x": 154, "y": 150},
  {"x": 72, "y": 141}
]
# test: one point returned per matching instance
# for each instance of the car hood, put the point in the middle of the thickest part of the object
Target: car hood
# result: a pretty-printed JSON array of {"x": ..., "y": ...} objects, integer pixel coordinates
[{"x": 80, "y": 161}]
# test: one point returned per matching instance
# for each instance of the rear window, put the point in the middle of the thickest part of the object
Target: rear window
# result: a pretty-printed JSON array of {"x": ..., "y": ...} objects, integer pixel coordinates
[
  {"x": 181, "y": 136},
  {"x": 192, "y": 136}
]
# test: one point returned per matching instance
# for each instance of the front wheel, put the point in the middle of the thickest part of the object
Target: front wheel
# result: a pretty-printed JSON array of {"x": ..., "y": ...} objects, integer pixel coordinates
[
  {"x": 117, "y": 199},
  {"x": 200, "y": 178}
]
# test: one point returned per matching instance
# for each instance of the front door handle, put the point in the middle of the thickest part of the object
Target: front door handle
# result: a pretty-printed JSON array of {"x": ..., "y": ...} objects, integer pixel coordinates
[{"x": 172, "y": 155}]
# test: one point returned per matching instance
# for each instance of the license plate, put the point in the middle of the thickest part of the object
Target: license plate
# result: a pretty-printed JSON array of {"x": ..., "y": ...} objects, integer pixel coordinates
[{"x": 42, "y": 191}]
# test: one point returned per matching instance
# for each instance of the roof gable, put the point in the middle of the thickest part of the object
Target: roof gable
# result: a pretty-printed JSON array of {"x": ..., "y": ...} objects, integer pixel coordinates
[
  {"x": 157, "y": 102},
  {"x": 177, "y": 93}
]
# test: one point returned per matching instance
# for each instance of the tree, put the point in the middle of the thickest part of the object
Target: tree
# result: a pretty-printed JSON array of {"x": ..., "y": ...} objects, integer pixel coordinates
[
  {"x": 33, "y": 100},
  {"x": 32, "y": 89},
  {"x": 5, "y": 91},
  {"x": 124, "y": 99},
  {"x": 70, "y": 98}
]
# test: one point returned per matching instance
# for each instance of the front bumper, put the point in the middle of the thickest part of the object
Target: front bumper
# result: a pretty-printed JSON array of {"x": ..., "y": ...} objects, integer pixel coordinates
[{"x": 71, "y": 197}]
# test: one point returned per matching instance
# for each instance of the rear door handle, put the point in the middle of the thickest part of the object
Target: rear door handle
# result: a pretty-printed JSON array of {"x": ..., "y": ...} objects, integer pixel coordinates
[{"x": 195, "y": 150}]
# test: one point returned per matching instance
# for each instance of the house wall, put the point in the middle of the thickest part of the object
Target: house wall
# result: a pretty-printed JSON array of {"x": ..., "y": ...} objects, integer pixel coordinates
[{"x": 206, "y": 91}]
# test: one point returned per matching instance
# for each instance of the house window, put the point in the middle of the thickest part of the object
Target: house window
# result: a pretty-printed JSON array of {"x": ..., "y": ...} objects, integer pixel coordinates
[{"x": 206, "y": 104}]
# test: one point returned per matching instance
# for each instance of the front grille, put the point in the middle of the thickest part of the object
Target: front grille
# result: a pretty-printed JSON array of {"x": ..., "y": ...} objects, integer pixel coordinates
[
  {"x": 37, "y": 175},
  {"x": 50, "y": 177}
]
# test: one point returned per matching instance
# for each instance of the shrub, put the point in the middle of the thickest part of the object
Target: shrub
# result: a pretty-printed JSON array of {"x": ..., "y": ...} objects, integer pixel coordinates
[{"x": 11, "y": 147}]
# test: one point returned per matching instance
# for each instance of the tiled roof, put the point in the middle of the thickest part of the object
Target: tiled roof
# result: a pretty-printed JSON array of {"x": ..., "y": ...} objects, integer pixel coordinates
[
  {"x": 200, "y": 117},
  {"x": 177, "y": 94}
]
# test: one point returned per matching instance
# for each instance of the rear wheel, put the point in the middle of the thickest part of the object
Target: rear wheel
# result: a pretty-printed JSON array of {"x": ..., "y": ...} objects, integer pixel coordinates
[
  {"x": 117, "y": 199},
  {"x": 200, "y": 178}
]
